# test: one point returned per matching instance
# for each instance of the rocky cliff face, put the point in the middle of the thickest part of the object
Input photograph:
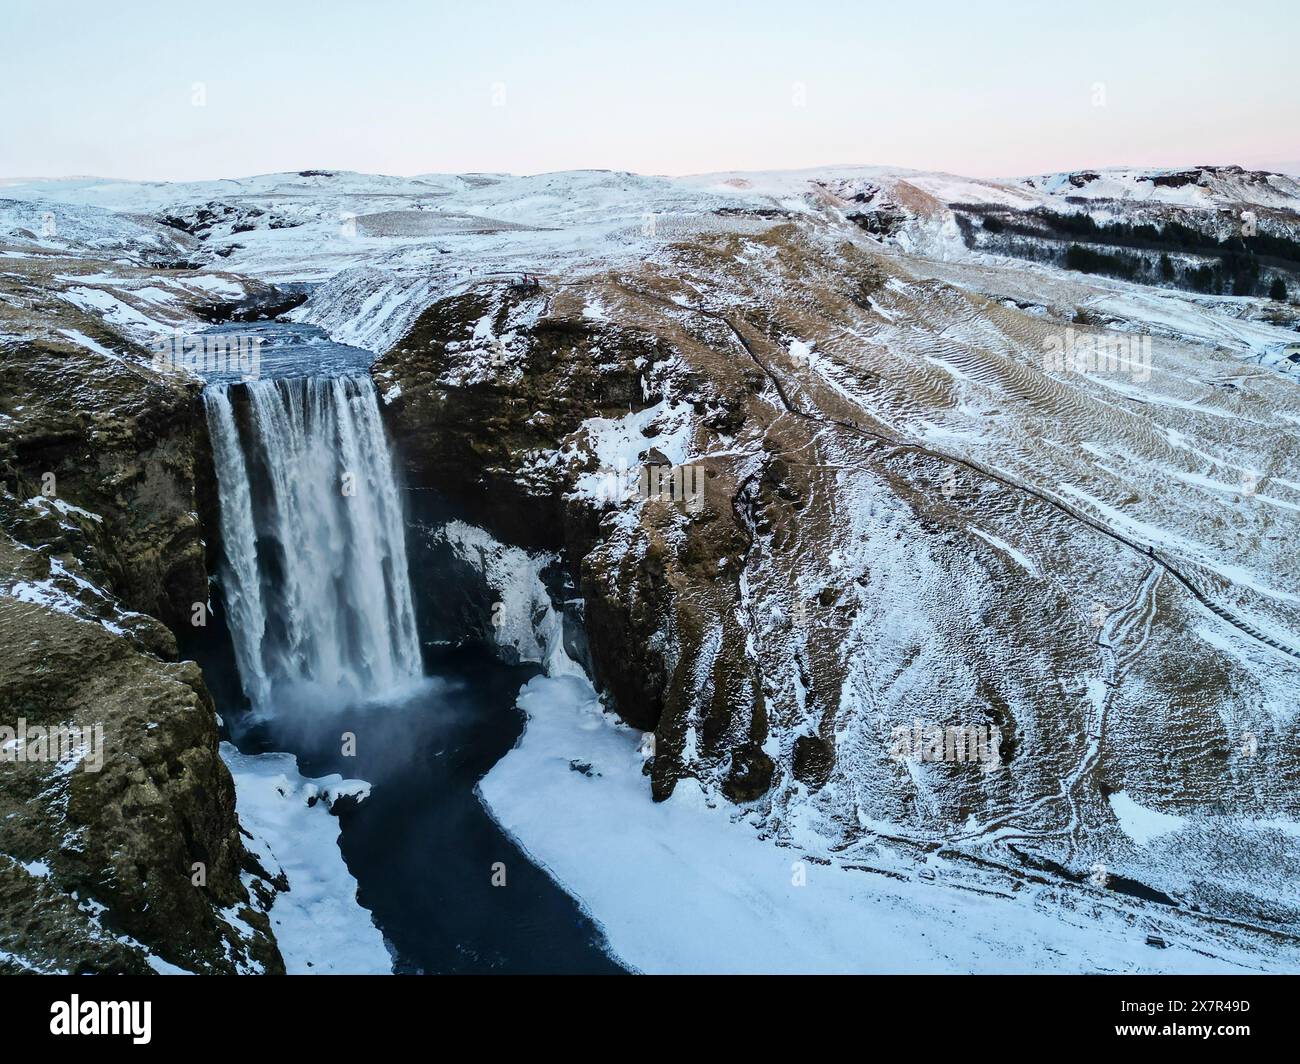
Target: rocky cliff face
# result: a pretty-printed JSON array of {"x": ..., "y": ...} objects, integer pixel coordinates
[
  {"x": 124, "y": 855},
  {"x": 896, "y": 532},
  {"x": 491, "y": 388},
  {"x": 939, "y": 479},
  {"x": 124, "y": 443}
]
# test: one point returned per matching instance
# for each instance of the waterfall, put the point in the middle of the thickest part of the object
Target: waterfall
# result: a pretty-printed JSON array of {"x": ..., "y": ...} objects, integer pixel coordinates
[{"x": 314, "y": 573}]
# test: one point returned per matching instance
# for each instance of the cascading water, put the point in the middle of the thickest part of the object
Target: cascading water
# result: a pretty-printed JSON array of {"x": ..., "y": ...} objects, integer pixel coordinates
[
  {"x": 318, "y": 602},
  {"x": 315, "y": 575}
]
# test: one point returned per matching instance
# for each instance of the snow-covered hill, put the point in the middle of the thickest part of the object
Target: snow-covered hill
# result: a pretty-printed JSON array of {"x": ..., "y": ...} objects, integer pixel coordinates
[{"x": 951, "y": 479}]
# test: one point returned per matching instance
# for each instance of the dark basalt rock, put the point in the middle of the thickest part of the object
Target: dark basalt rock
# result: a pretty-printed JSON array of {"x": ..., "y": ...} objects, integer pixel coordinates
[
  {"x": 883, "y": 221},
  {"x": 468, "y": 416},
  {"x": 117, "y": 440},
  {"x": 1178, "y": 180},
  {"x": 464, "y": 437},
  {"x": 750, "y": 776},
  {"x": 258, "y": 305},
  {"x": 814, "y": 758},
  {"x": 125, "y": 841},
  {"x": 118, "y": 851}
]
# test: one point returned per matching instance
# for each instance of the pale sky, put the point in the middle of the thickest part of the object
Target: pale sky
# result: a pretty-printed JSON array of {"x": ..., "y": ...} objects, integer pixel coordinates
[{"x": 188, "y": 90}]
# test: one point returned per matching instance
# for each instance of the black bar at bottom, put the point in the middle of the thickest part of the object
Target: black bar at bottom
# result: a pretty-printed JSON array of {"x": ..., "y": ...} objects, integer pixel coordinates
[{"x": 333, "y": 1014}]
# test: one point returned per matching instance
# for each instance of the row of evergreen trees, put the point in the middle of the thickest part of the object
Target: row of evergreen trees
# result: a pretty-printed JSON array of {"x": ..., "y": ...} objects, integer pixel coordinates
[
  {"x": 1172, "y": 235},
  {"x": 1232, "y": 274},
  {"x": 1243, "y": 265}
]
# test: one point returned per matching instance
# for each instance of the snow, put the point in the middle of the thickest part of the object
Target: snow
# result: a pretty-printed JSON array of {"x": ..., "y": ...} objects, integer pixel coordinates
[
  {"x": 1127, "y": 183},
  {"x": 225, "y": 287},
  {"x": 319, "y": 925},
  {"x": 118, "y": 312},
  {"x": 85, "y": 341},
  {"x": 383, "y": 248},
  {"x": 67, "y": 592},
  {"x": 522, "y": 618},
  {"x": 1019, "y": 557},
  {"x": 163, "y": 967},
  {"x": 693, "y": 883},
  {"x": 688, "y": 886},
  {"x": 595, "y": 311},
  {"x": 62, "y": 505},
  {"x": 618, "y": 444},
  {"x": 1141, "y": 824},
  {"x": 403, "y": 225}
]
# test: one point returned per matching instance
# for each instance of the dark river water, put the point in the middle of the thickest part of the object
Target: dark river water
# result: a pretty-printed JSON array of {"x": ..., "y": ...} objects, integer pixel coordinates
[{"x": 421, "y": 847}]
